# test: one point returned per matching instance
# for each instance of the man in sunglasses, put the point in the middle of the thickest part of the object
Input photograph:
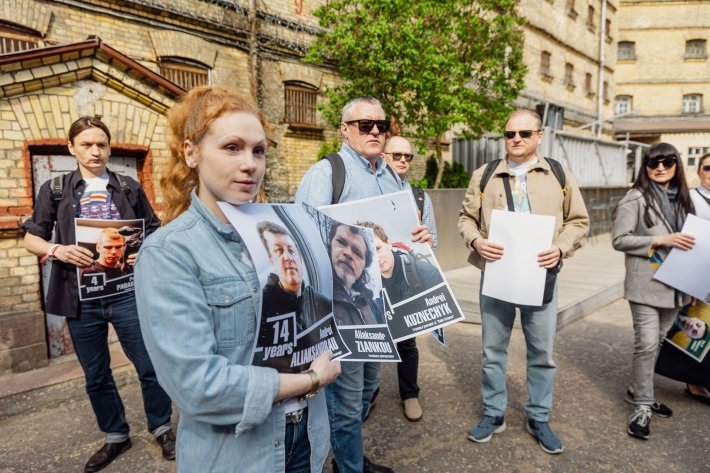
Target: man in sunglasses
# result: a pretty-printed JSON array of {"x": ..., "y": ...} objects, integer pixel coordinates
[
  {"x": 530, "y": 183},
  {"x": 398, "y": 154},
  {"x": 363, "y": 129}
]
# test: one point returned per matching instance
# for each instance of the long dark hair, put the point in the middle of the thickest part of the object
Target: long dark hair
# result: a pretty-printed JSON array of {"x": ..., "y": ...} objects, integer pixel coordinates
[{"x": 643, "y": 183}]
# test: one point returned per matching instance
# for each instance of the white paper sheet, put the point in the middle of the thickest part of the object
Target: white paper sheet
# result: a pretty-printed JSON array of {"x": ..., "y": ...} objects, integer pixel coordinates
[
  {"x": 689, "y": 271},
  {"x": 517, "y": 277}
]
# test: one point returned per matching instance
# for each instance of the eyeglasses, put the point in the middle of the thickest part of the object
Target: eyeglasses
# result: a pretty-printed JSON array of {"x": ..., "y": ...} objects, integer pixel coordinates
[
  {"x": 706, "y": 168},
  {"x": 653, "y": 163},
  {"x": 399, "y": 156},
  {"x": 525, "y": 134},
  {"x": 365, "y": 126}
]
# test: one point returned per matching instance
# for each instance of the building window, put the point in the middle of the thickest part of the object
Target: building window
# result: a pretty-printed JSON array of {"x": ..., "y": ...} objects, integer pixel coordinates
[
  {"x": 626, "y": 51},
  {"x": 607, "y": 25},
  {"x": 184, "y": 72},
  {"x": 545, "y": 63},
  {"x": 300, "y": 103},
  {"x": 605, "y": 92},
  {"x": 624, "y": 104},
  {"x": 590, "y": 18},
  {"x": 569, "y": 74},
  {"x": 695, "y": 152},
  {"x": 13, "y": 40},
  {"x": 692, "y": 103},
  {"x": 570, "y": 9},
  {"x": 588, "y": 88},
  {"x": 695, "y": 49}
]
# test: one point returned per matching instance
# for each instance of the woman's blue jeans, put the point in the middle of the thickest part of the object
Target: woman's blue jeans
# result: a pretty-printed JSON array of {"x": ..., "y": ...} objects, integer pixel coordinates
[{"x": 89, "y": 333}]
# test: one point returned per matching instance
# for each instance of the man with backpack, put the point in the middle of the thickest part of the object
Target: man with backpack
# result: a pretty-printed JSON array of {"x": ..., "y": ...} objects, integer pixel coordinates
[
  {"x": 363, "y": 173},
  {"x": 92, "y": 191},
  {"x": 523, "y": 182}
]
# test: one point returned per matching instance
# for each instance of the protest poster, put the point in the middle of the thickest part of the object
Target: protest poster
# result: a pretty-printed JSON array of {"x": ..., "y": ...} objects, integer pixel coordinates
[
  {"x": 689, "y": 270},
  {"x": 517, "y": 277},
  {"x": 690, "y": 331},
  {"x": 114, "y": 244},
  {"x": 416, "y": 297},
  {"x": 296, "y": 323},
  {"x": 358, "y": 306}
]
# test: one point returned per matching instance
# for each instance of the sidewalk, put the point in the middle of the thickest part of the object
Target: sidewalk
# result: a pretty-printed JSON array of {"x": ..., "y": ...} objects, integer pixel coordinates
[{"x": 589, "y": 280}]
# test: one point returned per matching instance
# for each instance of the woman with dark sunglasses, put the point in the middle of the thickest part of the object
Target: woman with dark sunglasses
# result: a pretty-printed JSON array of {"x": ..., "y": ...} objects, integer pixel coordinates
[
  {"x": 647, "y": 225},
  {"x": 701, "y": 200}
]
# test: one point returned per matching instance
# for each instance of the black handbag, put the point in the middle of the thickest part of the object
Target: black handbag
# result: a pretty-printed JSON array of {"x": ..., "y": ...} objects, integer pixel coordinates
[{"x": 550, "y": 278}]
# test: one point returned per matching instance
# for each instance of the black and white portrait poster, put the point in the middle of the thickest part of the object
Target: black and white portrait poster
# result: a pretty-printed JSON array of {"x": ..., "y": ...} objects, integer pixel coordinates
[
  {"x": 416, "y": 297},
  {"x": 358, "y": 306},
  {"x": 114, "y": 244},
  {"x": 296, "y": 323}
]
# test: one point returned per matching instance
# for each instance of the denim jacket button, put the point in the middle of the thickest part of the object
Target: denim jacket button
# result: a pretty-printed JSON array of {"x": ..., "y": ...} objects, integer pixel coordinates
[{"x": 276, "y": 444}]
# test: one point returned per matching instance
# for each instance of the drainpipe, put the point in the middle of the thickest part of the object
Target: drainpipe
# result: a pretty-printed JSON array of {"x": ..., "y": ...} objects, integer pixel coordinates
[
  {"x": 602, "y": 62},
  {"x": 253, "y": 52}
]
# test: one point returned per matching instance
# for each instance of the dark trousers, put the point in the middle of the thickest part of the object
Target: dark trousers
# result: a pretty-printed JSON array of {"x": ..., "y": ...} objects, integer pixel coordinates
[
  {"x": 408, "y": 369},
  {"x": 89, "y": 334}
]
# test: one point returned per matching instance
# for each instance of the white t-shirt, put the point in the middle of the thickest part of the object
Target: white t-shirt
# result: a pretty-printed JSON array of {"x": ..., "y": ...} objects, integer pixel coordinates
[
  {"x": 519, "y": 188},
  {"x": 96, "y": 200}
]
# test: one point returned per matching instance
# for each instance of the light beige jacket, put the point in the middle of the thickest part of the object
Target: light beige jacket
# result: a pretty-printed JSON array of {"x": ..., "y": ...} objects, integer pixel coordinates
[{"x": 545, "y": 196}]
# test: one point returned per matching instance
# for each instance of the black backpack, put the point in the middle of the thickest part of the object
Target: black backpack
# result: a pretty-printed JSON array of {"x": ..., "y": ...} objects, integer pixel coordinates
[{"x": 336, "y": 162}]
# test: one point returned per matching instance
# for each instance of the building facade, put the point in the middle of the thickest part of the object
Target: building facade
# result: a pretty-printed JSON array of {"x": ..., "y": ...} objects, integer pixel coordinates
[
  {"x": 663, "y": 76},
  {"x": 570, "y": 50},
  {"x": 128, "y": 61}
]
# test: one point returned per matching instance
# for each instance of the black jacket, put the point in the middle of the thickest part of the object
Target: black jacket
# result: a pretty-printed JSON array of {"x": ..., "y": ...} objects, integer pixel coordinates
[{"x": 63, "y": 292}]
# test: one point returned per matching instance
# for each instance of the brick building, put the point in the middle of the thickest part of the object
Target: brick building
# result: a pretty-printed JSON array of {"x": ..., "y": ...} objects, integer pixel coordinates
[{"x": 128, "y": 61}]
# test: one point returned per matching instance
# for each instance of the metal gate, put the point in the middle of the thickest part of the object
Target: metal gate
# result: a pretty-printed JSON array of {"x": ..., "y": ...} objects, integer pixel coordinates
[{"x": 45, "y": 167}]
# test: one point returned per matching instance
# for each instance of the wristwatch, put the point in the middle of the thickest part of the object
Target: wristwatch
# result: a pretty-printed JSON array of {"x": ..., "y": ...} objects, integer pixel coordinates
[{"x": 315, "y": 384}]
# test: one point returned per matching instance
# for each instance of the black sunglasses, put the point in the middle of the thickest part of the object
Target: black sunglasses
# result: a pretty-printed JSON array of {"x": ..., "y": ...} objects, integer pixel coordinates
[
  {"x": 399, "y": 156},
  {"x": 365, "y": 126},
  {"x": 706, "y": 168},
  {"x": 653, "y": 163},
  {"x": 525, "y": 134}
]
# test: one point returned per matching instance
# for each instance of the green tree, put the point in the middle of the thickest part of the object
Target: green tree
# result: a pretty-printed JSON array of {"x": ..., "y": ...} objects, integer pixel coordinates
[{"x": 436, "y": 65}]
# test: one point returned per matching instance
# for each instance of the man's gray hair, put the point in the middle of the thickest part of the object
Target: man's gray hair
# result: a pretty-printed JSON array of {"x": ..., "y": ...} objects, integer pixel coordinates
[{"x": 363, "y": 98}]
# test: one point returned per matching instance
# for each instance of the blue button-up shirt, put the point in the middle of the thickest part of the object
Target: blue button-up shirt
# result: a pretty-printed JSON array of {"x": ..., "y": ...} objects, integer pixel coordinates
[
  {"x": 198, "y": 303},
  {"x": 361, "y": 180}
]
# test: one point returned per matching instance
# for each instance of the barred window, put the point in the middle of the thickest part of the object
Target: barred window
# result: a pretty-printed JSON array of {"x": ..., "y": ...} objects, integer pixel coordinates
[
  {"x": 184, "y": 72},
  {"x": 545, "y": 57},
  {"x": 692, "y": 103},
  {"x": 13, "y": 40},
  {"x": 627, "y": 51},
  {"x": 624, "y": 104},
  {"x": 695, "y": 49},
  {"x": 300, "y": 103}
]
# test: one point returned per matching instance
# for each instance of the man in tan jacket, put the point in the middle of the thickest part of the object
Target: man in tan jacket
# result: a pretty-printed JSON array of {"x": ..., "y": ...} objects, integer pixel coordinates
[{"x": 534, "y": 188}]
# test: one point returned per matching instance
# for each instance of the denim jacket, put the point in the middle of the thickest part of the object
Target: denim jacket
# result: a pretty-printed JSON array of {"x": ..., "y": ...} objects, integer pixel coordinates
[{"x": 198, "y": 304}]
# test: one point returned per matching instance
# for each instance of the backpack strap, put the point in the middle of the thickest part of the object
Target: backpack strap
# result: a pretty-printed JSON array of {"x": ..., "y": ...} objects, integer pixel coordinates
[
  {"x": 338, "y": 166},
  {"x": 419, "y": 198},
  {"x": 487, "y": 174},
  {"x": 336, "y": 162},
  {"x": 57, "y": 187},
  {"x": 559, "y": 173}
]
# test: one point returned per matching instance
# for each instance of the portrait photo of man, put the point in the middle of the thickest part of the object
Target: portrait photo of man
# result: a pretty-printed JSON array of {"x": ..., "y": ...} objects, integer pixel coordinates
[
  {"x": 110, "y": 247},
  {"x": 354, "y": 303},
  {"x": 285, "y": 290}
]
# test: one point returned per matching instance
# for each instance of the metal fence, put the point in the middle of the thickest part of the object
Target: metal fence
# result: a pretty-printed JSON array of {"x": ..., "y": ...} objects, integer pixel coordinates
[{"x": 594, "y": 162}]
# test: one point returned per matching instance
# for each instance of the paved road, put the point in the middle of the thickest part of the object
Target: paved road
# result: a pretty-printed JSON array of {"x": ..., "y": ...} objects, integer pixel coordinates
[{"x": 57, "y": 434}]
